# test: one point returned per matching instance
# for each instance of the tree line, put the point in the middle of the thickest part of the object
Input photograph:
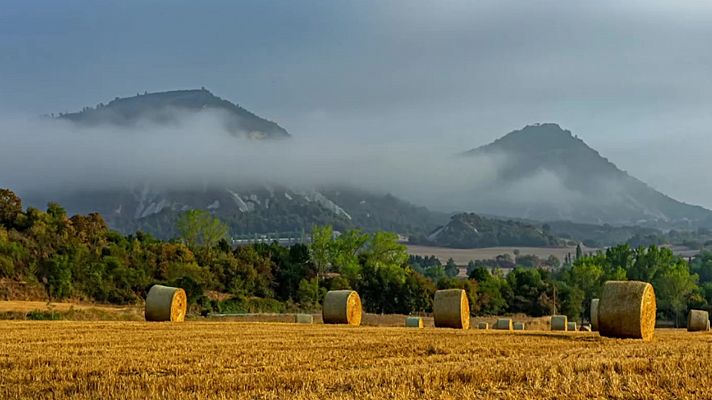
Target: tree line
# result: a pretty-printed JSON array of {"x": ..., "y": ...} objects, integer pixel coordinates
[{"x": 79, "y": 257}]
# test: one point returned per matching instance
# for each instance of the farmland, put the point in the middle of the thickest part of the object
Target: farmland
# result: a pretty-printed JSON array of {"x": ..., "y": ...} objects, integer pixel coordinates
[{"x": 116, "y": 360}]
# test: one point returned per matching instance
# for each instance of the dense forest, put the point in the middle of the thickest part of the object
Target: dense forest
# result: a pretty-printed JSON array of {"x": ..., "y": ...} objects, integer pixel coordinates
[{"x": 79, "y": 257}]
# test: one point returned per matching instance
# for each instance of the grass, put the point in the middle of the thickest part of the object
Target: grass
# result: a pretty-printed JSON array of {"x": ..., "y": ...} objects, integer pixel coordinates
[{"x": 221, "y": 360}]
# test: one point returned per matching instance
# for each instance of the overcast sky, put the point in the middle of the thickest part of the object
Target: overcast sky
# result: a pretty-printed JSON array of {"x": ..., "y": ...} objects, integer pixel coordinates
[{"x": 633, "y": 79}]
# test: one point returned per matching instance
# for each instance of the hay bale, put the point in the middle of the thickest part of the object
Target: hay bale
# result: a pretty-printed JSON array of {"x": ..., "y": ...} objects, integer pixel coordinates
[
  {"x": 559, "y": 322},
  {"x": 342, "y": 307},
  {"x": 519, "y": 326},
  {"x": 413, "y": 322},
  {"x": 451, "y": 309},
  {"x": 483, "y": 325},
  {"x": 594, "y": 314},
  {"x": 503, "y": 324},
  {"x": 627, "y": 310},
  {"x": 164, "y": 303},
  {"x": 571, "y": 326},
  {"x": 708, "y": 324},
  {"x": 304, "y": 319},
  {"x": 698, "y": 320}
]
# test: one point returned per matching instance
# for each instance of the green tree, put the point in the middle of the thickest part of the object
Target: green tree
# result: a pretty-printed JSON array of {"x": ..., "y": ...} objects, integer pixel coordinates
[
  {"x": 198, "y": 228},
  {"x": 451, "y": 269},
  {"x": 673, "y": 287},
  {"x": 320, "y": 253},
  {"x": 10, "y": 208}
]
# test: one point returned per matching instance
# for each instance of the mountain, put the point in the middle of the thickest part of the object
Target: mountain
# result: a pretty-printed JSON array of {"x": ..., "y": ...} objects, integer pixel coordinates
[
  {"x": 548, "y": 174},
  {"x": 248, "y": 210},
  {"x": 168, "y": 107},
  {"x": 253, "y": 210},
  {"x": 467, "y": 230}
]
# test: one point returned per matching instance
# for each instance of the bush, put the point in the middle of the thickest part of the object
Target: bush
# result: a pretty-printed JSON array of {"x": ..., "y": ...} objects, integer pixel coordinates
[{"x": 43, "y": 316}]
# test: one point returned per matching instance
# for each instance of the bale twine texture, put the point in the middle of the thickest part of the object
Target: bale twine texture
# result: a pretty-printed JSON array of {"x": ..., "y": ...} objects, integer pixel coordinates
[
  {"x": 697, "y": 320},
  {"x": 413, "y": 322},
  {"x": 627, "y": 310},
  {"x": 164, "y": 303},
  {"x": 504, "y": 324},
  {"x": 451, "y": 309},
  {"x": 342, "y": 307},
  {"x": 594, "y": 314},
  {"x": 559, "y": 322},
  {"x": 304, "y": 319}
]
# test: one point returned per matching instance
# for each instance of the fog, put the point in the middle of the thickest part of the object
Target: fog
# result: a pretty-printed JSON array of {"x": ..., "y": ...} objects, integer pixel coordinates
[
  {"x": 53, "y": 156},
  {"x": 417, "y": 80}
]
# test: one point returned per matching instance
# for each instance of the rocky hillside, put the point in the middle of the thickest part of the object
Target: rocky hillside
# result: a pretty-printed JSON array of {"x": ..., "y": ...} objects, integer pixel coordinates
[{"x": 549, "y": 174}]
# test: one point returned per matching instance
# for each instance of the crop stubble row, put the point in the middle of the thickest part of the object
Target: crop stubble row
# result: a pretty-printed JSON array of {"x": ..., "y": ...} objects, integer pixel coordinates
[{"x": 113, "y": 360}]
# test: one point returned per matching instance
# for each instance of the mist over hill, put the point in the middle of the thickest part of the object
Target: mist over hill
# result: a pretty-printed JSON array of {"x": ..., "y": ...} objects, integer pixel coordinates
[
  {"x": 165, "y": 108},
  {"x": 143, "y": 160},
  {"x": 551, "y": 174}
]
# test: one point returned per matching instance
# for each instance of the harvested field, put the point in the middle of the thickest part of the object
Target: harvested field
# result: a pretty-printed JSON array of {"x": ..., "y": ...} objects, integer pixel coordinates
[{"x": 117, "y": 360}]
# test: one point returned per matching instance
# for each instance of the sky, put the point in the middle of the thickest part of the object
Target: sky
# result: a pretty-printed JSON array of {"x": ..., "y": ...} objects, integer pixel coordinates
[{"x": 630, "y": 78}]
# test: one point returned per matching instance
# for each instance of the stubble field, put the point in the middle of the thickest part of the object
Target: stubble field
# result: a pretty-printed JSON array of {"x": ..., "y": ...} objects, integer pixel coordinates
[{"x": 234, "y": 360}]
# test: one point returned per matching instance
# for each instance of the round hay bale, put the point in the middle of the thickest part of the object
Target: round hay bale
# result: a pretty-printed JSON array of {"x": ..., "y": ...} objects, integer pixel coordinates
[
  {"x": 697, "y": 320},
  {"x": 708, "y": 324},
  {"x": 571, "y": 326},
  {"x": 504, "y": 324},
  {"x": 342, "y": 307},
  {"x": 304, "y": 319},
  {"x": 451, "y": 309},
  {"x": 627, "y": 310},
  {"x": 413, "y": 322},
  {"x": 594, "y": 314},
  {"x": 559, "y": 322},
  {"x": 483, "y": 325},
  {"x": 519, "y": 326},
  {"x": 164, "y": 303}
]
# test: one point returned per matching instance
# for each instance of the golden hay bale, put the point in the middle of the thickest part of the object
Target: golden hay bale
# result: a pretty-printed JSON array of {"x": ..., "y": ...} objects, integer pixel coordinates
[
  {"x": 503, "y": 324},
  {"x": 342, "y": 307},
  {"x": 304, "y": 319},
  {"x": 571, "y": 326},
  {"x": 164, "y": 303},
  {"x": 519, "y": 326},
  {"x": 559, "y": 322},
  {"x": 483, "y": 325},
  {"x": 413, "y": 322},
  {"x": 627, "y": 310},
  {"x": 697, "y": 320},
  {"x": 594, "y": 314},
  {"x": 451, "y": 309}
]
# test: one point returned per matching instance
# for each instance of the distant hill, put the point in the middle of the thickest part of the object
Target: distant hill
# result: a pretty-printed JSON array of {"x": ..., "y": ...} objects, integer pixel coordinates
[
  {"x": 254, "y": 210},
  {"x": 469, "y": 230},
  {"x": 549, "y": 174},
  {"x": 168, "y": 107},
  {"x": 248, "y": 210}
]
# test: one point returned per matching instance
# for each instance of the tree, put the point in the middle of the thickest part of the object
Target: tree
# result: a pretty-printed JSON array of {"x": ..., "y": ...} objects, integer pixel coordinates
[
  {"x": 320, "y": 252},
  {"x": 673, "y": 287},
  {"x": 10, "y": 208},
  {"x": 198, "y": 229},
  {"x": 451, "y": 269}
]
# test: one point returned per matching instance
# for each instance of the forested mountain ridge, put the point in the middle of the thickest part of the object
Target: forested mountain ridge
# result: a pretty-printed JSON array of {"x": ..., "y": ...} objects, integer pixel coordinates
[
  {"x": 165, "y": 108},
  {"x": 549, "y": 174},
  {"x": 468, "y": 230}
]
